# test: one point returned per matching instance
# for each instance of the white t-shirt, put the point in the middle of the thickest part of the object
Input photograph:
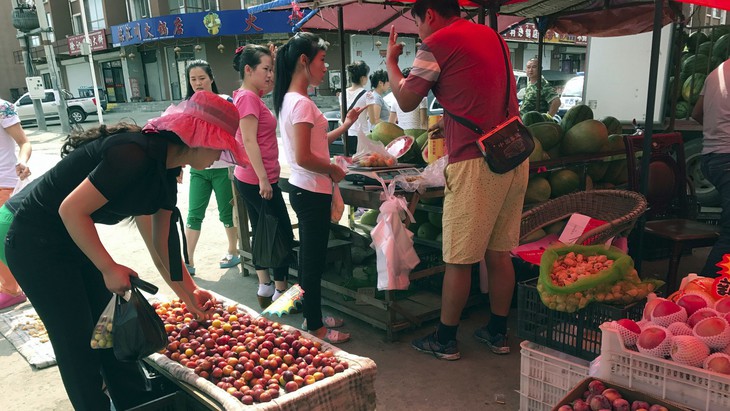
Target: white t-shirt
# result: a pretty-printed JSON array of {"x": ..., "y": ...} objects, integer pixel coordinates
[
  {"x": 716, "y": 119},
  {"x": 296, "y": 109},
  {"x": 361, "y": 124},
  {"x": 8, "y": 159},
  {"x": 409, "y": 120}
]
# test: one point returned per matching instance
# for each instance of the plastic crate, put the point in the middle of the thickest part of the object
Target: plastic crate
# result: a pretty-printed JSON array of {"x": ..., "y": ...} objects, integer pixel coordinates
[
  {"x": 547, "y": 376},
  {"x": 692, "y": 387},
  {"x": 576, "y": 333}
]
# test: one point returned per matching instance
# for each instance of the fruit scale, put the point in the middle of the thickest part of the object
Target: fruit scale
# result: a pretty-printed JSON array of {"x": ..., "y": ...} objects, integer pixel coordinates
[{"x": 373, "y": 175}]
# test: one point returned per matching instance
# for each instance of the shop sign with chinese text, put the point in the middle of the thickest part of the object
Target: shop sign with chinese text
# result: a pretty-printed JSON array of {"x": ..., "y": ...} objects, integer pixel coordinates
[
  {"x": 528, "y": 32},
  {"x": 97, "y": 41}
]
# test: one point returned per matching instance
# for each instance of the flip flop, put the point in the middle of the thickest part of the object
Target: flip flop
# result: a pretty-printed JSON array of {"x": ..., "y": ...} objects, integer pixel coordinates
[
  {"x": 191, "y": 269},
  {"x": 328, "y": 321},
  {"x": 230, "y": 260},
  {"x": 336, "y": 337}
]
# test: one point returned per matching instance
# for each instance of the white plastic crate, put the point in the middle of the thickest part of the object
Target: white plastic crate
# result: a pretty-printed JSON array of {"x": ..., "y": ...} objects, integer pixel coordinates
[
  {"x": 547, "y": 375},
  {"x": 689, "y": 386}
]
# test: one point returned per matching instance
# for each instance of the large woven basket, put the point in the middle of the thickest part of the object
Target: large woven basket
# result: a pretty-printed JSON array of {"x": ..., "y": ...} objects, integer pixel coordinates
[{"x": 620, "y": 208}]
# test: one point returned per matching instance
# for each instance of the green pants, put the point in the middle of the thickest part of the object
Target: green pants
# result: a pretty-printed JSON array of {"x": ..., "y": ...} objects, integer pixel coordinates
[
  {"x": 202, "y": 184},
  {"x": 6, "y": 219}
]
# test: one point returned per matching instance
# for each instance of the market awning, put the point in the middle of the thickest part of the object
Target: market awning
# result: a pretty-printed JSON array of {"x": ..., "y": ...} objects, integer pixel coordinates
[{"x": 717, "y": 4}]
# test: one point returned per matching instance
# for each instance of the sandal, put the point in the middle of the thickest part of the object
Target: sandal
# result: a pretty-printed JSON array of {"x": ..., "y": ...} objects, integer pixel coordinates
[
  {"x": 191, "y": 269},
  {"x": 230, "y": 260},
  {"x": 328, "y": 321},
  {"x": 335, "y": 337}
]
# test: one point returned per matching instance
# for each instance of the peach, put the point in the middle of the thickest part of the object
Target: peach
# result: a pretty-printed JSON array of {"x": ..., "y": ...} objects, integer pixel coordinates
[
  {"x": 693, "y": 302},
  {"x": 654, "y": 340},
  {"x": 723, "y": 305},
  {"x": 718, "y": 362},
  {"x": 652, "y": 302},
  {"x": 667, "y": 312},
  {"x": 629, "y": 331},
  {"x": 689, "y": 350},
  {"x": 713, "y": 331}
]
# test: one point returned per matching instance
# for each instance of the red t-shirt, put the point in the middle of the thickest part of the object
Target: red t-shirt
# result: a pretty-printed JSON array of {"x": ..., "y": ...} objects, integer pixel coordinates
[
  {"x": 248, "y": 103},
  {"x": 464, "y": 65}
]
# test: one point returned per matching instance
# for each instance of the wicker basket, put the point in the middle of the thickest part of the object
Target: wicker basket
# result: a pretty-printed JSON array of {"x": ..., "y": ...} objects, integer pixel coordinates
[{"x": 620, "y": 208}]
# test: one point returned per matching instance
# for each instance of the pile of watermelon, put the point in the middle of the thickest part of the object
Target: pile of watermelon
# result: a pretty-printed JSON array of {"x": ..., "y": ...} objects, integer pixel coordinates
[{"x": 577, "y": 134}]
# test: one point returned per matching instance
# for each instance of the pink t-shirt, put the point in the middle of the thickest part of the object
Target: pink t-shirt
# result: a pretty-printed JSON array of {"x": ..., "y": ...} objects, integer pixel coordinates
[
  {"x": 467, "y": 78},
  {"x": 248, "y": 103}
]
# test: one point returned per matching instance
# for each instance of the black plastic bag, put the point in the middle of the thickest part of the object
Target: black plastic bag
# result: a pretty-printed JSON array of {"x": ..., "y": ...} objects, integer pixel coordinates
[
  {"x": 271, "y": 247},
  {"x": 138, "y": 330}
]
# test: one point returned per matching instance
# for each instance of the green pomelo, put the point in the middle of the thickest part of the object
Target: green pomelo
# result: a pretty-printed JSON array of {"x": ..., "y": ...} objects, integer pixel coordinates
[
  {"x": 693, "y": 87},
  {"x": 613, "y": 125},
  {"x": 596, "y": 171},
  {"x": 563, "y": 182},
  {"x": 554, "y": 152},
  {"x": 428, "y": 231},
  {"x": 617, "y": 172},
  {"x": 721, "y": 48},
  {"x": 684, "y": 109},
  {"x": 538, "y": 190},
  {"x": 557, "y": 227},
  {"x": 386, "y": 132},
  {"x": 536, "y": 154},
  {"x": 369, "y": 217},
  {"x": 435, "y": 219},
  {"x": 534, "y": 236},
  {"x": 577, "y": 114},
  {"x": 586, "y": 137},
  {"x": 549, "y": 133},
  {"x": 616, "y": 142},
  {"x": 695, "y": 39},
  {"x": 532, "y": 117}
]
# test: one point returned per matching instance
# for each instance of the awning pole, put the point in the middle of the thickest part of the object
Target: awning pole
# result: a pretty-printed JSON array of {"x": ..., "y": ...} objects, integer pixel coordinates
[{"x": 343, "y": 74}]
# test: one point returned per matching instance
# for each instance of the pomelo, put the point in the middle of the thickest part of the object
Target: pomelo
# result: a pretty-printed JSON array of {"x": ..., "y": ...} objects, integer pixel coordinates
[
  {"x": 563, "y": 182},
  {"x": 575, "y": 115},
  {"x": 538, "y": 190},
  {"x": 548, "y": 133},
  {"x": 586, "y": 137},
  {"x": 386, "y": 132}
]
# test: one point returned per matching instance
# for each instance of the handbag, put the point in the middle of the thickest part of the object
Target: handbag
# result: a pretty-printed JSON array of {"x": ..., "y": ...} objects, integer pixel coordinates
[
  {"x": 507, "y": 145},
  {"x": 270, "y": 247}
]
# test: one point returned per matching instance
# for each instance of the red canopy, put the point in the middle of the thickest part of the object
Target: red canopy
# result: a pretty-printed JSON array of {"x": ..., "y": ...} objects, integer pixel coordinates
[{"x": 717, "y": 4}]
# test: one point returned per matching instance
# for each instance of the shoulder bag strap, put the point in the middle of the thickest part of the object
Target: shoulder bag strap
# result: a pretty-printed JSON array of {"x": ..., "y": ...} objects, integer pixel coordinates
[
  {"x": 468, "y": 124},
  {"x": 356, "y": 99}
]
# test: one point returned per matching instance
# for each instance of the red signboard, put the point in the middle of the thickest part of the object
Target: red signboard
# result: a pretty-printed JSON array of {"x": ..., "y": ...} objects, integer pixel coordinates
[
  {"x": 528, "y": 32},
  {"x": 97, "y": 38}
]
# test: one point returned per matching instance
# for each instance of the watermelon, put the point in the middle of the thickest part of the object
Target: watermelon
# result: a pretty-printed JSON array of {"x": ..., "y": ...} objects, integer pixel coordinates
[
  {"x": 704, "y": 48},
  {"x": 532, "y": 117},
  {"x": 699, "y": 63},
  {"x": 428, "y": 231},
  {"x": 435, "y": 218},
  {"x": 685, "y": 56},
  {"x": 575, "y": 115},
  {"x": 422, "y": 140},
  {"x": 404, "y": 149},
  {"x": 549, "y": 133},
  {"x": 695, "y": 39},
  {"x": 692, "y": 87},
  {"x": 721, "y": 48},
  {"x": 684, "y": 109},
  {"x": 613, "y": 125},
  {"x": 386, "y": 132},
  {"x": 538, "y": 190},
  {"x": 563, "y": 182},
  {"x": 586, "y": 137},
  {"x": 536, "y": 154},
  {"x": 718, "y": 31}
]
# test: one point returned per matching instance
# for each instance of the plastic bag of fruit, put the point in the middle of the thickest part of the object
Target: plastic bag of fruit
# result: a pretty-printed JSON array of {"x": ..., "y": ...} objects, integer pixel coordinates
[
  {"x": 102, "y": 335},
  {"x": 571, "y": 277},
  {"x": 372, "y": 154}
]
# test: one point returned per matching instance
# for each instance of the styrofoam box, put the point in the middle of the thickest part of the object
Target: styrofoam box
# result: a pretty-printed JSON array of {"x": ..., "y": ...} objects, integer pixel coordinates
[
  {"x": 693, "y": 387},
  {"x": 547, "y": 375}
]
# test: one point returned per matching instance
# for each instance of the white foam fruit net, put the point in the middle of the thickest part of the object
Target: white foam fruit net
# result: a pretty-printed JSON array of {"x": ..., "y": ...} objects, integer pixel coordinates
[
  {"x": 689, "y": 350},
  {"x": 660, "y": 351},
  {"x": 680, "y": 329},
  {"x": 706, "y": 363},
  {"x": 627, "y": 336},
  {"x": 701, "y": 314},
  {"x": 718, "y": 341},
  {"x": 665, "y": 320}
]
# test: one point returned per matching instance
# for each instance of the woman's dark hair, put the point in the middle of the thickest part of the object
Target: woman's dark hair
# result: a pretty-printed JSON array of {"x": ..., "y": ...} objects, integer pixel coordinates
[
  {"x": 205, "y": 66},
  {"x": 357, "y": 70},
  {"x": 249, "y": 55},
  {"x": 377, "y": 77},
  {"x": 307, "y": 44},
  {"x": 76, "y": 140},
  {"x": 445, "y": 8}
]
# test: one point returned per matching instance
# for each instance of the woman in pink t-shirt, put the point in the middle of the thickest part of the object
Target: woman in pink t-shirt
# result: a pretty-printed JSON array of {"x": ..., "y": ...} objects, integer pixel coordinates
[{"x": 258, "y": 183}]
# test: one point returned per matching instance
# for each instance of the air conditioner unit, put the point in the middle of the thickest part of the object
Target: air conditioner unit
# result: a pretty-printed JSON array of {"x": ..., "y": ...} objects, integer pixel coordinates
[{"x": 335, "y": 80}]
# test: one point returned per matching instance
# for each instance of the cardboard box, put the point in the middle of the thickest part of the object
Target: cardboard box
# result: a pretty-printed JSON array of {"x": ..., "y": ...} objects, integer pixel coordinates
[{"x": 629, "y": 394}]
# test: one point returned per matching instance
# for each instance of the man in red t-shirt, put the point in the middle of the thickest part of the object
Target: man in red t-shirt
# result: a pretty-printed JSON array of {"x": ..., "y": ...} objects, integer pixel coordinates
[{"x": 482, "y": 210}]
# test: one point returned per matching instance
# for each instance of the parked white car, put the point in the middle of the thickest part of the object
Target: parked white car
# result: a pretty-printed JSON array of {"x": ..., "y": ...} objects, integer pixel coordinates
[
  {"x": 78, "y": 108},
  {"x": 572, "y": 94}
]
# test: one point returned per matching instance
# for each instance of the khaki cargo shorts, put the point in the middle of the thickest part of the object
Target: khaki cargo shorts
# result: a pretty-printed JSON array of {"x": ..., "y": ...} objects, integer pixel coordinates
[{"x": 482, "y": 210}]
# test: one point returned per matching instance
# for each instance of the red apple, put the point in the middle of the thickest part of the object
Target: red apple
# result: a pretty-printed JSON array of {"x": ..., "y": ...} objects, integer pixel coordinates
[
  {"x": 693, "y": 302},
  {"x": 652, "y": 302},
  {"x": 653, "y": 340},
  {"x": 667, "y": 312}
]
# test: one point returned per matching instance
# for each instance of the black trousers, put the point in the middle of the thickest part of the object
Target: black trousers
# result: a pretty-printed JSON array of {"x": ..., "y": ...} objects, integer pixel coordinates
[
  {"x": 69, "y": 295},
  {"x": 275, "y": 206},
  {"x": 313, "y": 213}
]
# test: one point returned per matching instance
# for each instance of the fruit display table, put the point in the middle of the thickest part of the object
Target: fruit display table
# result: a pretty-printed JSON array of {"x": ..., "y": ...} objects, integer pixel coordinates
[{"x": 353, "y": 388}]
